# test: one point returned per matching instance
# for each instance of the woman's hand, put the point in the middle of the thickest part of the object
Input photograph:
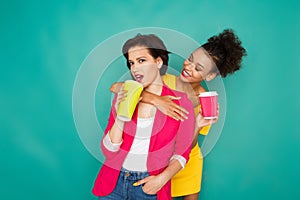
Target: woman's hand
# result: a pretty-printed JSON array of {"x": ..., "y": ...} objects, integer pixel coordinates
[
  {"x": 152, "y": 184},
  {"x": 116, "y": 87},
  {"x": 201, "y": 122},
  {"x": 121, "y": 96},
  {"x": 166, "y": 105}
]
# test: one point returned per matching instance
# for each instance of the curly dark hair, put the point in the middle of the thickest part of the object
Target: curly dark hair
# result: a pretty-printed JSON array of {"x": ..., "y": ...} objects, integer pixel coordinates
[
  {"x": 155, "y": 46},
  {"x": 226, "y": 50}
]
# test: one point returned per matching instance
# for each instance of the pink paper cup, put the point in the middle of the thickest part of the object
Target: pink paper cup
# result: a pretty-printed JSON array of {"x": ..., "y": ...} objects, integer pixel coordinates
[{"x": 209, "y": 104}]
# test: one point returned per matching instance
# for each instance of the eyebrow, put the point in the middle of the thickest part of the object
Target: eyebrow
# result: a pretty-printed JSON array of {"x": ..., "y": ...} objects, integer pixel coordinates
[
  {"x": 143, "y": 57},
  {"x": 192, "y": 56}
]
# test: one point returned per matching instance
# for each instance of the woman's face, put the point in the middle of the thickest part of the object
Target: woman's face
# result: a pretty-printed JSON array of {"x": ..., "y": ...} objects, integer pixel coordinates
[
  {"x": 144, "y": 68},
  {"x": 197, "y": 67}
]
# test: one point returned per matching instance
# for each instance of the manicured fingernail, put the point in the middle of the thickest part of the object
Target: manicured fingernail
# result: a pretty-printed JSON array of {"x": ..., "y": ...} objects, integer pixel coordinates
[{"x": 135, "y": 184}]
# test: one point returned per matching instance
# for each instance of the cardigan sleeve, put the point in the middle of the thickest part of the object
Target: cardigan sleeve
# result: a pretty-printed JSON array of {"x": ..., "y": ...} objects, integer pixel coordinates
[
  {"x": 184, "y": 136},
  {"x": 109, "y": 145},
  {"x": 108, "y": 153}
]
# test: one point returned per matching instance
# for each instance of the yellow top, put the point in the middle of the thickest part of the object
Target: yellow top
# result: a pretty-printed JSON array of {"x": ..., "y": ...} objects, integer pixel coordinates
[{"x": 170, "y": 81}]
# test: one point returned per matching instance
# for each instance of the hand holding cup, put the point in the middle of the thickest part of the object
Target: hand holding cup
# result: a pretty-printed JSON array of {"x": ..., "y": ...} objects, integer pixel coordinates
[{"x": 129, "y": 98}]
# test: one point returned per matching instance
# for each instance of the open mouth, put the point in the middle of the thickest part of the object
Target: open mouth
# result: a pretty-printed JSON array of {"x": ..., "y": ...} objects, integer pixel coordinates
[
  {"x": 185, "y": 74},
  {"x": 138, "y": 77}
]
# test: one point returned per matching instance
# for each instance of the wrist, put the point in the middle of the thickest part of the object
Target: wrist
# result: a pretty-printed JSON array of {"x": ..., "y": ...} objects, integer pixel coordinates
[
  {"x": 154, "y": 101},
  {"x": 198, "y": 127},
  {"x": 119, "y": 122},
  {"x": 163, "y": 178}
]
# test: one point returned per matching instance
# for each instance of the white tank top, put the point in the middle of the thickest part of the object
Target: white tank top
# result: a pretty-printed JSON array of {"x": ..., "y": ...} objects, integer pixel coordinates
[{"x": 136, "y": 159}]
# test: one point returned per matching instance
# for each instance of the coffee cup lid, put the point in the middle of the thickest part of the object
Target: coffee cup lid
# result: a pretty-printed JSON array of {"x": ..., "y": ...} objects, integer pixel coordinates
[
  {"x": 208, "y": 94},
  {"x": 135, "y": 82}
]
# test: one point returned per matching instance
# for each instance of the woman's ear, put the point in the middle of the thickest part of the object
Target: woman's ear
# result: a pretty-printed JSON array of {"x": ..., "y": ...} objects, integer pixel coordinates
[
  {"x": 159, "y": 62},
  {"x": 211, "y": 76}
]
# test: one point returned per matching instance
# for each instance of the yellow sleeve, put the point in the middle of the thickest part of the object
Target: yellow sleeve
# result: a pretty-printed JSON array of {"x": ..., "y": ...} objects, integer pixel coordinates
[{"x": 170, "y": 81}]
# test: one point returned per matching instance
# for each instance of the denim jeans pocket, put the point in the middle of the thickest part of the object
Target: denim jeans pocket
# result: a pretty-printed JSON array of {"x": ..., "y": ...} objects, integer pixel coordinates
[{"x": 146, "y": 195}]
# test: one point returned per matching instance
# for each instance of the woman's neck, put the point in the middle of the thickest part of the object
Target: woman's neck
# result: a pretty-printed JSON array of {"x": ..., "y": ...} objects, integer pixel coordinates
[
  {"x": 181, "y": 85},
  {"x": 191, "y": 89},
  {"x": 148, "y": 110},
  {"x": 155, "y": 87}
]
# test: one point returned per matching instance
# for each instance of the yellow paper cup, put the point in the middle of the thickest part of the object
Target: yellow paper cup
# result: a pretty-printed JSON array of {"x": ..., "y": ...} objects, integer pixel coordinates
[{"x": 127, "y": 107}]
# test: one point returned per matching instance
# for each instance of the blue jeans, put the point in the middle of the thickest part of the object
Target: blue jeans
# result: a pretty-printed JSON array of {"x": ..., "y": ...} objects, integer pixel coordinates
[{"x": 124, "y": 189}]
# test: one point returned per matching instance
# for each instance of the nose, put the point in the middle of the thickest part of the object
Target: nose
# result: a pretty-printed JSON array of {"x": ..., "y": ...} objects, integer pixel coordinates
[{"x": 134, "y": 67}]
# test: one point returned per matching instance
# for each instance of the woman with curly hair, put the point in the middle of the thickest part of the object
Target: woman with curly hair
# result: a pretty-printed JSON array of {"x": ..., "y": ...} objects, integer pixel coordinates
[{"x": 221, "y": 55}]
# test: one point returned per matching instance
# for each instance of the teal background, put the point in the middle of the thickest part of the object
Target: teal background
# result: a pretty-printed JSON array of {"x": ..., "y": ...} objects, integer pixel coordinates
[{"x": 44, "y": 43}]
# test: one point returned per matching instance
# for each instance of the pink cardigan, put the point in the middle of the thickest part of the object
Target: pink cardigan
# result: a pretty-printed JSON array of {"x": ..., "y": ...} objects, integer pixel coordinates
[{"x": 169, "y": 137}]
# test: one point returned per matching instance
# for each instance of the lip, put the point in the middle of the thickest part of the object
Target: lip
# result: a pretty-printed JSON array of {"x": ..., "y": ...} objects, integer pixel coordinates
[
  {"x": 185, "y": 74},
  {"x": 138, "y": 77}
]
